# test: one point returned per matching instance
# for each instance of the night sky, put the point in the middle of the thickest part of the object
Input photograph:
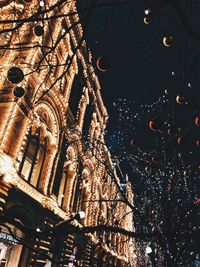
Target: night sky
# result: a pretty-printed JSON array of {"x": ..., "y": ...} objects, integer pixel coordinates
[{"x": 141, "y": 65}]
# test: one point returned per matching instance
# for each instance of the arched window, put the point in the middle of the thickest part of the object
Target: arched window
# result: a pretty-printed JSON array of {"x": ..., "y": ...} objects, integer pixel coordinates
[{"x": 32, "y": 162}]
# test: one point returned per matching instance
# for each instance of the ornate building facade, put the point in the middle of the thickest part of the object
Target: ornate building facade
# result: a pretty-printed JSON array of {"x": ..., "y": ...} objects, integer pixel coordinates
[{"x": 53, "y": 159}]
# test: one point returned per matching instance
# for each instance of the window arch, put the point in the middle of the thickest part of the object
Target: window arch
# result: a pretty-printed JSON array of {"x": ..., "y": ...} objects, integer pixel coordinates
[{"x": 33, "y": 159}]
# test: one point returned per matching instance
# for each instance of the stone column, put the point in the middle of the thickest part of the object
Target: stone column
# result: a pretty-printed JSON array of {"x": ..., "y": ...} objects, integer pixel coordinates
[{"x": 69, "y": 176}]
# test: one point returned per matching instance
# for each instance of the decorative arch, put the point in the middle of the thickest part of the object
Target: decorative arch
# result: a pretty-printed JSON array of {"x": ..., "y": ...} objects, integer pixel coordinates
[
  {"x": 40, "y": 146},
  {"x": 48, "y": 122}
]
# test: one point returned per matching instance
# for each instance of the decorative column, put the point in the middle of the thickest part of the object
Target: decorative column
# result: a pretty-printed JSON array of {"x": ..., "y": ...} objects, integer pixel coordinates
[
  {"x": 47, "y": 167},
  {"x": 68, "y": 178},
  {"x": 103, "y": 205},
  {"x": 82, "y": 108},
  {"x": 86, "y": 193}
]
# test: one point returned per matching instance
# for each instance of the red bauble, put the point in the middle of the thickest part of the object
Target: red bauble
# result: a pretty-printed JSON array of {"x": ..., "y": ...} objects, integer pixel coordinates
[
  {"x": 180, "y": 140},
  {"x": 198, "y": 200},
  {"x": 154, "y": 125},
  {"x": 197, "y": 120},
  {"x": 197, "y": 142},
  {"x": 103, "y": 63}
]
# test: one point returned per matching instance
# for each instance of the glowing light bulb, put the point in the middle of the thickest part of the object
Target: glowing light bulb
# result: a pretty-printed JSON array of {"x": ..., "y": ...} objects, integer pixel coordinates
[{"x": 41, "y": 3}]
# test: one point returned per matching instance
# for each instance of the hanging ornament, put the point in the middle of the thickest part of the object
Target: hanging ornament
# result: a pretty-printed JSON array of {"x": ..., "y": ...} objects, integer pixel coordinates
[
  {"x": 18, "y": 91},
  {"x": 170, "y": 131},
  {"x": 197, "y": 120},
  {"x": 168, "y": 189},
  {"x": 155, "y": 159},
  {"x": 168, "y": 41},
  {"x": 167, "y": 91},
  {"x": 197, "y": 142},
  {"x": 133, "y": 142},
  {"x": 103, "y": 63},
  {"x": 187, "y": 173},
  {"x": 146, "y": 20},
  {"x": 148, "y": 169},
  {"x": 38, "y": 30},
  {"x": 15, "y": 75},
  {"x": 179, "y": 99},
  {"x": 154, "y": 125},
  {"x": 180, "y": 140}
]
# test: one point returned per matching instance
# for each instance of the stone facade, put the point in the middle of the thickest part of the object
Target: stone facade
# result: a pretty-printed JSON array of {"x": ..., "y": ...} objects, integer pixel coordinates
[{"x": 51, "y": 165}]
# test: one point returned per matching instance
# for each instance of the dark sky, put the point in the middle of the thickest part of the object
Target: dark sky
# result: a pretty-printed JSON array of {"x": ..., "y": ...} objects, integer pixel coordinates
[{"x": 141, "y": 65}]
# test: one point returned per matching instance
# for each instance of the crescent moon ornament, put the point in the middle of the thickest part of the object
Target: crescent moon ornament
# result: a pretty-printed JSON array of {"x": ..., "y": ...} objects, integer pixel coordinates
[
  {"x": 103, "y": 63},
  {"x": 168, "y": 41},
  {"x": 179, "y": 99},
  {"x": 146, "y": 20}
]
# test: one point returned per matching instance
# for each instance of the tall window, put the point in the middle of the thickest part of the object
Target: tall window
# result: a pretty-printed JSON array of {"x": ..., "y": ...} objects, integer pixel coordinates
[
  {"x": 87, "y": 120},
  {"x": 76, "y": 91},
  {"x": 76, "y": 193},
  {"x": 33, "y": 160}
]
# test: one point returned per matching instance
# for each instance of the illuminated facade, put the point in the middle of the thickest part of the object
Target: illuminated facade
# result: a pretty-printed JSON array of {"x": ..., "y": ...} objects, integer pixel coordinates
[{"x": 53, "y": 160}]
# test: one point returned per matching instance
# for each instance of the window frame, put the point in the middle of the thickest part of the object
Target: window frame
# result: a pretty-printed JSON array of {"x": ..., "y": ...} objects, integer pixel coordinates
[{"x": 38, "y": 145}]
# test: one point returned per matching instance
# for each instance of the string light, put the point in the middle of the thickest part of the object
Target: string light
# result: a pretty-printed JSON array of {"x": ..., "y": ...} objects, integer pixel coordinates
[
  {"x": 147, "y": 11},
  {"x": 41, "y": 3},
  {"x": 168, "y": 180}
]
